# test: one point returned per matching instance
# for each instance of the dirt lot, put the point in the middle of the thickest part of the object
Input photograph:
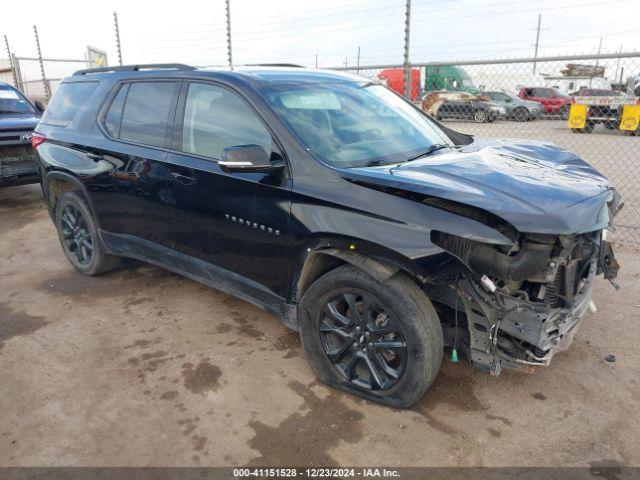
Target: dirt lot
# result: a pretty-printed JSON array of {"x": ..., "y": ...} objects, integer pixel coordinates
[{"x": 142, "y": 367}]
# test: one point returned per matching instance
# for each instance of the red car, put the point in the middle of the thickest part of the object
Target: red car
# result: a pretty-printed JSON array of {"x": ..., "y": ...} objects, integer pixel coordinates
[{"x": 552, "y": 100}]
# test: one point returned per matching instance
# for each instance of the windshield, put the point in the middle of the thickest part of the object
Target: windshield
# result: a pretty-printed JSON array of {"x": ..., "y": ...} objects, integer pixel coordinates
[
  {"x": 13, "y": 102},
  {"x": 352, "y": 125}
]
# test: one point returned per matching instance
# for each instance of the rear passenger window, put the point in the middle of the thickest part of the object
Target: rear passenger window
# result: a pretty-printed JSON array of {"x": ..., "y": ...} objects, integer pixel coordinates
[
  {"x": 215, "y": 118},
  {"x": 148, "y": 112},
  {"x": 67, "y": 101},
  {"x": 114, "y": 115}
]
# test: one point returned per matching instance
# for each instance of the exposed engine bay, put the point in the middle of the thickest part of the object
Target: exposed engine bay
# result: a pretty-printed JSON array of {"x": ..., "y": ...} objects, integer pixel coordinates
[{"x": 518, "y": 305}]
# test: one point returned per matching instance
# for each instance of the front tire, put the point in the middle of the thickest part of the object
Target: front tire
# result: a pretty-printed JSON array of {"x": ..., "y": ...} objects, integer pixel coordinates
[
  {"x": 379, "y": 341},
  {"x": 480, "y": 116},
  {"x": 79, "y": 236}
]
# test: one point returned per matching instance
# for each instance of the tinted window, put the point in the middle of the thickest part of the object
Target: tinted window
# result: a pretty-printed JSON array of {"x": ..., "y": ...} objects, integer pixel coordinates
[
  {"x": 114, "y": 115},
  {"x": 542, "y": 93},
  {"x": 215, "y": 118},
  {"x": 148, "y": 112},
  {"x": 67, "y": 100}
]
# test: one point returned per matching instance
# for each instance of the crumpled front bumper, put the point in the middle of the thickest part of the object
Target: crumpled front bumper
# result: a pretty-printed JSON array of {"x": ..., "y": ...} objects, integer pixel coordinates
[{"x": 507, "y": 332}]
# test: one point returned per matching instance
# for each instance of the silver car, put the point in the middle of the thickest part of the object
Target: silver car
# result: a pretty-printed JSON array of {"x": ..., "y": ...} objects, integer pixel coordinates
[{"x": 516, "y": 108}]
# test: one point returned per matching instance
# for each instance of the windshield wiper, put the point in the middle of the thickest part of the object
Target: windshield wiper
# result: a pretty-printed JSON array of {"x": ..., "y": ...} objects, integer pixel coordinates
[
  {"x": 433, "y": 148},
  {"x": 424, "y": 153}
]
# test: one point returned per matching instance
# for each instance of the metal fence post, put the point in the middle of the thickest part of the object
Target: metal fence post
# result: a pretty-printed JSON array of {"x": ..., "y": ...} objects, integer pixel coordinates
[
  {"x": 45, "y": 82},
  {"x": 13, "y": 68},
  {"x": 228, "y": 7},
  {"x": 118, "y": 46},
  {"x": 16, "y": 67},
  {"x": 406, "y": 64}
]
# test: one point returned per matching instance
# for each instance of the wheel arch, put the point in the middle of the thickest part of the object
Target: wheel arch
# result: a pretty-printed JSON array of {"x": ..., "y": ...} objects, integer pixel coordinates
[
  {"x": 327, "y": 254},
  {"x": 56, "y": 183}
]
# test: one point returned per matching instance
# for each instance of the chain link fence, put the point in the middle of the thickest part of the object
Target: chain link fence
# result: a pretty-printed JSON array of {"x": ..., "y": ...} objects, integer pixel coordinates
[
  {"x": 524, "y": 99},
  {"x": 29, "y": 77}
]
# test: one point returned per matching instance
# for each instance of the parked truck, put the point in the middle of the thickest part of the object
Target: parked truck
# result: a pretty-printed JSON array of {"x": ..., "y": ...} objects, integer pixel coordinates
[
  {"x": 394, "y": 79},
  {"x": 18, "y": 118}
]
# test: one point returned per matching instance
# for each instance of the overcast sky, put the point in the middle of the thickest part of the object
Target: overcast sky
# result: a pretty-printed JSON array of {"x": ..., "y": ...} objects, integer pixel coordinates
[{"x": 193, "y": 31}]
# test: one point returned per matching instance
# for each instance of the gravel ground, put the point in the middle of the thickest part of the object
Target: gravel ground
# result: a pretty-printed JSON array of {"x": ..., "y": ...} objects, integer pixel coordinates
[{"x": 142, "y": 367}]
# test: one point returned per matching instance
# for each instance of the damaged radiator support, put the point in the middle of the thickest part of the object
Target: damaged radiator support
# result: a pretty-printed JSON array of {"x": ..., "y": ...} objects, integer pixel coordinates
[{"x": 530, "y": 300}]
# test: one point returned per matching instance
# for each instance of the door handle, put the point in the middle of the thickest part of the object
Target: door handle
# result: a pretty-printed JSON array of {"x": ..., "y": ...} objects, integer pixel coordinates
[{"x": 184, "y": 179}]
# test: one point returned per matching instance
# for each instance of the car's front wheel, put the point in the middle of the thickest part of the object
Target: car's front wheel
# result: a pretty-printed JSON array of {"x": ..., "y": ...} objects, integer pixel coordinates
[
  {"x": 79, "y": 236},
  {"x": 380, "y": 341},
  {"x": 480, "y": 116},
  {"x": 521, "y": 114}
]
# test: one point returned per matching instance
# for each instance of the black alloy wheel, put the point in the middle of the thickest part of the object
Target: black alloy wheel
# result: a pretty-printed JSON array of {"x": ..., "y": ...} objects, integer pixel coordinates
[
  {"x": 77, "y": 238},
  {"x": 362, "y": 340},
  {"x": 78, "y": 235}
]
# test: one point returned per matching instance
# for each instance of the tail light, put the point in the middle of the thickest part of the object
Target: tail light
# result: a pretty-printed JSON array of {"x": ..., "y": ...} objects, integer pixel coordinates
[{"x": 37, "y": 139}]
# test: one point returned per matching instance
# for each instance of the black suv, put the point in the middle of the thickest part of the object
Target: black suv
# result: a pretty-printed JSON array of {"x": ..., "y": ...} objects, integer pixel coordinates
[
  {"x": 18, "y": 118},
  {"x": 328, "y": 200}
]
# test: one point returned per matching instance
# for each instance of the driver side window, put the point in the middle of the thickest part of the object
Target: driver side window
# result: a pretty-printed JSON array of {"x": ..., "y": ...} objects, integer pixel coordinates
[{"x": 216, "y": 118}]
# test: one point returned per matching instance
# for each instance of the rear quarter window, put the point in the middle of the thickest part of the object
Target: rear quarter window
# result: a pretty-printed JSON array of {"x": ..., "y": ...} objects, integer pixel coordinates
[{"x": 67, "y": 101}]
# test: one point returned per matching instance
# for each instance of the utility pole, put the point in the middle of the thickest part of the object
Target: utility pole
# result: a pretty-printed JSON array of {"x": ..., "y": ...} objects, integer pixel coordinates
[
  {"x": 407, "y": 65},
  {"x": 118, "y": 46},
  {"x": 599, "y": 50},
  {"x": 45, "y": 83},
  {"x": 597, "y": 61},
  {"x": 229, "y": 34},
  {"x": 535, "y": 54},
  {"x": 13, "y": 68},
  {"x": 618, "y": 65},
  {"x": 316, "y": 61},
  {"x": 358, "y": 62},
  {"x": 346, "y": 62}
]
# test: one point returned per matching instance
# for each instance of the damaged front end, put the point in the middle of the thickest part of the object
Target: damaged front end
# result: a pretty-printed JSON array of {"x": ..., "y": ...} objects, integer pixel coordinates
[{"x": 517, "y": 305}]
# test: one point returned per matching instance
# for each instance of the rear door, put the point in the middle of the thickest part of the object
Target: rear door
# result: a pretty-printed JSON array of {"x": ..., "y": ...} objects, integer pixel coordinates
[
  {"x": 133, "y": 198},
  {"x": 236, "y": 221}
]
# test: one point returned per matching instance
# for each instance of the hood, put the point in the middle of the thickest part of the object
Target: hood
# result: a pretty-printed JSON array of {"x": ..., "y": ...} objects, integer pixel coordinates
[
  {"x": 537, "y": 187},
  {"x": 18, "y": 121}
]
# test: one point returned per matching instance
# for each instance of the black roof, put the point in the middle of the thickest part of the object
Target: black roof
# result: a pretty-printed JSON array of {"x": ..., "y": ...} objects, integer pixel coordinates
[{"x": 264, "y": 73}]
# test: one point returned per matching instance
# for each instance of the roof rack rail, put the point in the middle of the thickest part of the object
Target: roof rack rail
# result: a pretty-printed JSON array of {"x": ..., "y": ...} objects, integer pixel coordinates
[
  {"x": 135, "y": 68},
  {"x": 293, "y": 65}
]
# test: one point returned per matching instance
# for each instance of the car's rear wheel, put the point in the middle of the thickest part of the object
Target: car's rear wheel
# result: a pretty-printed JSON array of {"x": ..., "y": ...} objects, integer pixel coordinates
[
  {"x": 79, "y": 236},
  {"x": 480, "y": 116},
  {"x": 379, "y": 341}
]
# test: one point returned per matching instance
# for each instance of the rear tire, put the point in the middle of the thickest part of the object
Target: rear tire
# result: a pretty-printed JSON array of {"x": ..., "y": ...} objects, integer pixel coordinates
[
  {"x": 382, "y": 342},
  {"x": 79, "y": 236}
]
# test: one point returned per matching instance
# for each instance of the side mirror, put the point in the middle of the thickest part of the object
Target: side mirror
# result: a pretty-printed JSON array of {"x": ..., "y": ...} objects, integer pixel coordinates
[
  {"x": 245, "y": 158},
  {"x": 39, "y": 106}
]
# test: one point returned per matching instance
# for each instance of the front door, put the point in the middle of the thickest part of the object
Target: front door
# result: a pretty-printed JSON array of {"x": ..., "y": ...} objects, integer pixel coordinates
[{"x": 236, "y": 221}]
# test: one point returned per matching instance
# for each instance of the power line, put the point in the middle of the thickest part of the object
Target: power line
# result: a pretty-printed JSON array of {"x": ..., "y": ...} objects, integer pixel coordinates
[{"x": 290, "y": 32}]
